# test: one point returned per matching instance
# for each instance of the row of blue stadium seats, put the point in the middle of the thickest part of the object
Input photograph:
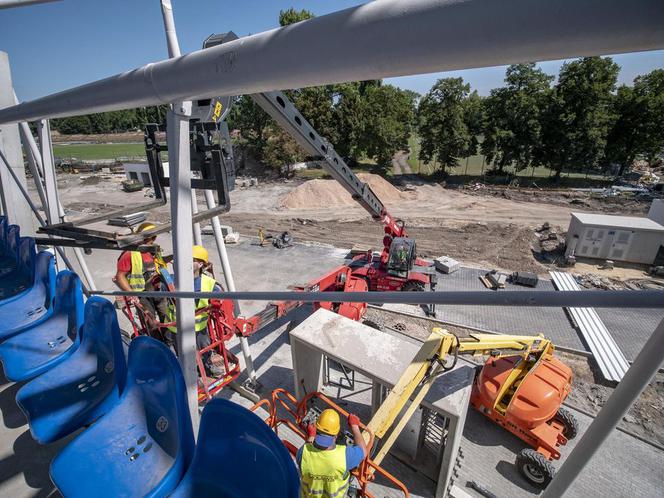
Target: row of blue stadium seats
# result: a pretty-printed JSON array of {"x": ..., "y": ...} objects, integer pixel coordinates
[{"x": 136, "y": 434}]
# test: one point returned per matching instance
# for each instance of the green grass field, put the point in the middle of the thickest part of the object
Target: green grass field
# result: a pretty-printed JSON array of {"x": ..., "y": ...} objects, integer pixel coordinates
[{"x": 91, "y": 152}]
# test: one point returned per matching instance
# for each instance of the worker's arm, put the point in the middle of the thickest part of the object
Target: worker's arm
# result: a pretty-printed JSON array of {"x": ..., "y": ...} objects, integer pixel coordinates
[
  {"x": 121, "y": 280},
  {"x": 354, "y": 423}
]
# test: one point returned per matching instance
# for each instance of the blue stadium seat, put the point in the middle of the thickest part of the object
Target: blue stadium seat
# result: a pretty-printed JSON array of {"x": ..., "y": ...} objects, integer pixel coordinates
[
  {"x": 84, "y": 386},
  {"x": 33, "y": 305},
  {"x": 40, "y": 347},
  {"x": 4, "y": 224},
  {"x": 143, "y": 446},
  {"x": 15, "y": 280},
  {"x": 229, "y": 433},
  {"x": 9, "y": 250}
]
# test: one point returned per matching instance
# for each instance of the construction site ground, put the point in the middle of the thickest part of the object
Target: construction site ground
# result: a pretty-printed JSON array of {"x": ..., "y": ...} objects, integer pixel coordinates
[{"x": 482, "y": 232}]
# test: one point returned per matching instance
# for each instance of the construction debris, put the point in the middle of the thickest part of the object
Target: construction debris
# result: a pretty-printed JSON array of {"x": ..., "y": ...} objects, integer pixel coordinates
[
  {"x": 445, "y": 264},
  {"x": 129, "y": 220},
  {"x": 497, "y": 279},
  {"x": 232, "y": 238},
  {"x": 525, "y": 278}
]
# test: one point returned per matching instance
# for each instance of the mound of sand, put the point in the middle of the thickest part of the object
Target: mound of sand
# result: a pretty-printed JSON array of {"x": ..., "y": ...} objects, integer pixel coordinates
[{"x": 329, "y": 193}]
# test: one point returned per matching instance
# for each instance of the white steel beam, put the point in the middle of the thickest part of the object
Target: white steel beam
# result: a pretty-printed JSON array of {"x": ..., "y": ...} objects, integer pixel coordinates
[
  {"x": 379, "y": 39},
  {"x": 50, "y": 179},
  {"x": 8, "y": 4},
  {"x": 180, "y": 190},
  {"x": 174, "y": 51}
]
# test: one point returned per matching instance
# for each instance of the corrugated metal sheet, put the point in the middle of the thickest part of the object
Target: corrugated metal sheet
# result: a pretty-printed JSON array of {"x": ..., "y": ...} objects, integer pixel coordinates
[{"x": 608, "y": 355}]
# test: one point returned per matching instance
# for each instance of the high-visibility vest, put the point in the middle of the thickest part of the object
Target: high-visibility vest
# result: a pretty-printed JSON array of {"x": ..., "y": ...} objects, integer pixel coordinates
[
  {"x": 207, "y": 285},
  {"x": 324, "y": 473},
  {"x": 135, "y": 276}
]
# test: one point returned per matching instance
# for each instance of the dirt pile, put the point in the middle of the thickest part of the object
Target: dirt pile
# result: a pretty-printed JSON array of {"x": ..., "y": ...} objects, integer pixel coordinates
[{"x": 329, "y": 193}]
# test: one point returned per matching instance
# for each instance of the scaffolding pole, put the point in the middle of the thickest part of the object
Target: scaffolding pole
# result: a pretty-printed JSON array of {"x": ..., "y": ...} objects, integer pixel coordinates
[
  {"x": 631, "y": 386},
  {"x": 50, "y": 181},
  {"x": 174, "y": 51},
  {"x": 180, "y": 190}
]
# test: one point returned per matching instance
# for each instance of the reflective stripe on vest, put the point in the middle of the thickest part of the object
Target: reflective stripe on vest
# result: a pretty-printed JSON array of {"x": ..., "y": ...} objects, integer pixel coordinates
[
  {"x": 323, "y": 472},
  {"x": 135, "y": 277},
  {"x": 207, "y": 285}
]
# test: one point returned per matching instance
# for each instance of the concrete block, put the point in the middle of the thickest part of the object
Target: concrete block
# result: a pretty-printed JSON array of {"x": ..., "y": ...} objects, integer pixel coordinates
[{"x": 446, "y": 264}]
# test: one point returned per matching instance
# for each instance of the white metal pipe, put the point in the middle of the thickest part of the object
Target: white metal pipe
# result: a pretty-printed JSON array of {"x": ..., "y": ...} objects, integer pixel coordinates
[
  {"x": 174, "y": 51},
  {"x": 379, "y": 39},
  {"x": 548, "y": 299},
  {"x": 630, "y": 388},
  {"x": 230, "y": 285},
  {"x": 180, "y": 190},
  {"x": 8, "y": 4},
  {"x": 50, "y": 180}
]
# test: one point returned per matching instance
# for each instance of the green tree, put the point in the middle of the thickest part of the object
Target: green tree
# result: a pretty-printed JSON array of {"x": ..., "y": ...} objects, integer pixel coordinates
[
  {"x": 388, "y": 114},
  {"x": 253, "y": 123},
  {"x": 512, "y": 127},
  {"x": 622, "y": 144},
  {"x": 73, "y": 125},
  {"x": 316, "y": 105},
  {"x": 578, "y": 115},
  {"x": 649, "y": 94},
  {"x": 638, "y": 130},
  {"x": 442, "y": 123},
  {"x": 349, "y": 120},
  {"x": 291, "y": 16},
  {"x": 474, "y": 119}
]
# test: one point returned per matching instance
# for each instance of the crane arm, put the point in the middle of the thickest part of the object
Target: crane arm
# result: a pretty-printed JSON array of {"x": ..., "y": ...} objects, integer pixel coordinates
[
  {"x": 284, "y": 112},
  {"x": 418, "y": 377}
]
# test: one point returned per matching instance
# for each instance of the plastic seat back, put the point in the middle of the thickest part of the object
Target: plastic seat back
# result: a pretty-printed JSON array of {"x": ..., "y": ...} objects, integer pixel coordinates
[
  {"x": 84, "y": 386},
  {"x": 69, "y": 301},
  {"x": 3, "y": 233},
  {"x": 262, "y": 464},
  {"x": 143, "y": 446},
  {"x": 10, "y": 249},
  {"x": 154, "y": 372},
  {"x": 100, "y": 336},
  {"x": 20, "y": 275}
]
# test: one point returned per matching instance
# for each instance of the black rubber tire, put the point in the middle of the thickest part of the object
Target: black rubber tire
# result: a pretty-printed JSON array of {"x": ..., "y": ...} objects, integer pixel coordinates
[
  {"x": 413, "y": 286},
  {"x": 372, "y": 324},
  {"x": 568, "y": 420},
  {"x": 535, "y": 467}
]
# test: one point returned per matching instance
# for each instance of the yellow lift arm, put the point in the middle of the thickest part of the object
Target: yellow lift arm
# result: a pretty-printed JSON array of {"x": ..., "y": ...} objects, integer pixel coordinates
[{"x": 417, "y": 379}]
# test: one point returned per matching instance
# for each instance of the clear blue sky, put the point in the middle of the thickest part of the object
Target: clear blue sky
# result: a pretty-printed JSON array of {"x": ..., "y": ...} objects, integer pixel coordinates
[{"x": 63, "y": 44}]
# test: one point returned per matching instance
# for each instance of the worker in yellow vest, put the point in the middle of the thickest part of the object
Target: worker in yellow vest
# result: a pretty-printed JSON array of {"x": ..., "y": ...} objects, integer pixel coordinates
[
  {"x": 134, "y": 271},
  {"x": 324, "y": 465},
  {"x": 202, "y": 283}
]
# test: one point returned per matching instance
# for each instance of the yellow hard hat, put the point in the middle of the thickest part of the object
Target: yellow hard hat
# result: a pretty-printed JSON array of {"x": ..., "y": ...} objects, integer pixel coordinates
[
  {"x": 199, "y": 252},
  {"x": 328, "y": 422},
  {"x": 145, "y": 226}
]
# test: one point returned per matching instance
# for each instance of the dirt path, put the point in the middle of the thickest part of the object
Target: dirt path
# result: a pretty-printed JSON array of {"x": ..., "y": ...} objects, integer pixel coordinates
[{"x": 400, "y": 164}]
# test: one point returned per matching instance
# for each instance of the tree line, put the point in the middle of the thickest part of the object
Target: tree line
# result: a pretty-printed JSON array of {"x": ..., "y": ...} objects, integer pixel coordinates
[
  {"x": 111, "y": 122},
  {"x": 580, "y": 123}
]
